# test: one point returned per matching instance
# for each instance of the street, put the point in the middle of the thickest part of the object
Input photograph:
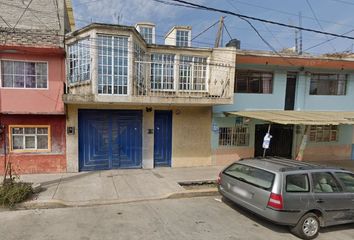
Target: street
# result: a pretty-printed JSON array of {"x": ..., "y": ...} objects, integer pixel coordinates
[{"x": 189, "y": 218}]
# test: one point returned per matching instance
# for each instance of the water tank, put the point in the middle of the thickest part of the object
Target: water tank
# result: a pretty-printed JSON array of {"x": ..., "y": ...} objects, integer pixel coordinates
[{"x": 234, "y": 43}]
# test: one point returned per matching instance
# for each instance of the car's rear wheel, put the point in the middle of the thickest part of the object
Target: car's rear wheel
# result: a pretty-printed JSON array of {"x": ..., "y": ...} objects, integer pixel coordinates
[{"x": 308, "y": 227}]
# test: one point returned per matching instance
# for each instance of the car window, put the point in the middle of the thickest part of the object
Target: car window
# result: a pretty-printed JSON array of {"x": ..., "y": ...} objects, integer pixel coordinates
[
  {"x": 297, "y": 183},
  {"x": 324, "y": 182},
  {"x": 347, "y": 179},
  {"x": 252, "y": 175}
]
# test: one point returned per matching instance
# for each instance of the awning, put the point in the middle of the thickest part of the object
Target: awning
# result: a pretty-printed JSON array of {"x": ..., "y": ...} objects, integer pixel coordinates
[{"x": 299, "y": 117}]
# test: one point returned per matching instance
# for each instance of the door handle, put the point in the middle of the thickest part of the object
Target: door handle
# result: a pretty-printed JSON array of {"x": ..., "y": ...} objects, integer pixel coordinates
[{"x": 320, "y": 201}]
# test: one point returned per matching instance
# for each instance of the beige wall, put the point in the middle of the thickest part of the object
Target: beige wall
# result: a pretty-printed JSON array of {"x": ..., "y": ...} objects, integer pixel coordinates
[
  {"x": 190, "y": 135},
  {"x": 191, "y": 144}
]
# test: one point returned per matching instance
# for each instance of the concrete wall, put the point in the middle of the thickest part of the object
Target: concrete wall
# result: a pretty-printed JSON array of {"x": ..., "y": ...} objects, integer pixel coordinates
[
  {"x": 37, "y": 162},
  {"x": 191, "y": 126},
  {"x": 28, "y": 101},
  {"x": 338, "y": 150}
]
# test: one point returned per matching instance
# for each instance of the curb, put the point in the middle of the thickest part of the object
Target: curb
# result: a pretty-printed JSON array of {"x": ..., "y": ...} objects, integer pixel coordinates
[{"x": 51, "y": 204}]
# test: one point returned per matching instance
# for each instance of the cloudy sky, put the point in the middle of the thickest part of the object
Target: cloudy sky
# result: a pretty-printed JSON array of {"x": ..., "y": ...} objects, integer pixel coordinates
[{"x": 334, "y": 16}]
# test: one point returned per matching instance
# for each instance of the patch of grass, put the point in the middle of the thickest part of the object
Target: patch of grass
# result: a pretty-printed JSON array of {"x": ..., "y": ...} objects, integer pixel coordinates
[{"x": 14, "y": 192}]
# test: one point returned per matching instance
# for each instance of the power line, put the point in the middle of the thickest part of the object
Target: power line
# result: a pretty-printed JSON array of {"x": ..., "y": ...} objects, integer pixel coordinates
[
  {"x": 318, "y": 22},
  {"x": 289, "y": 13},
  {"x": 205, "y": 30},
  {"x": 201, "y": 7}
]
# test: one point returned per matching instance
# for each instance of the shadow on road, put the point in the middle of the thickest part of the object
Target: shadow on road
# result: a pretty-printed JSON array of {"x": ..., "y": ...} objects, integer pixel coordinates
[
  {"x": 278, "y": 228},
  {"x": 256, "y": 218}
]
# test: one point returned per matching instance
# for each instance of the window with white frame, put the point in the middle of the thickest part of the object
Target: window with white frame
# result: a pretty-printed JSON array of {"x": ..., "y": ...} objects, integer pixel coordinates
[
  {"x": 23, "y": 74},
  {"x": 139, "y": 71},
  {"x": 234, "y": 136},
  {"x": 79, "y": 61},
  {"x": 147, "y": 34},
  {"x": 112, "y": 65},
  {"x": 162, "y": 71},
  {"x": 328, "y": 84},
  {"x": 29, "y": 138},
  {"x": 182, "y": 38},
  {"x": 323, "y": 133},
  {"x": 192, "y": 73}
]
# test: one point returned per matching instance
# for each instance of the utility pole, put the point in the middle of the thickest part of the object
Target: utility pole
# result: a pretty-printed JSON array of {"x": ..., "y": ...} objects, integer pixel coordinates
[{"x": 219, "y": 34}]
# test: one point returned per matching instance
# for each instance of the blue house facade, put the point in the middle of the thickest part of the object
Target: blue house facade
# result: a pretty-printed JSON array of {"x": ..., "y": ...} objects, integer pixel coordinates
[{"x": 292, "y": 96}]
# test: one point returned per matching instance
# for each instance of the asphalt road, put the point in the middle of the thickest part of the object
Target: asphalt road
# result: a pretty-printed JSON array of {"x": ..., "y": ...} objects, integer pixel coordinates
[{"x": 194, "y": 218}]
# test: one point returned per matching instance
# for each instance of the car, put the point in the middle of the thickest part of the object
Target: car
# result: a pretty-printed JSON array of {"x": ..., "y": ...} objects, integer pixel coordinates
[{"x": 303, "y": 196}]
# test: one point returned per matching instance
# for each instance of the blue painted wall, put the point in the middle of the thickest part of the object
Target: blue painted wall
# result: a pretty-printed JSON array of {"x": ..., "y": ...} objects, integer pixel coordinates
[{"x": 303, "y": 100}]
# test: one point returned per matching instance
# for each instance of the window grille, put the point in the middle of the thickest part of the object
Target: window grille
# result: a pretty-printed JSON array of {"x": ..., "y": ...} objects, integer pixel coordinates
[
  {"x": 192, "y": 73},
  {"x": 323, "y": 133},
  {"x": 162, "y": 71},
  {"x": 234, "y": 136}
]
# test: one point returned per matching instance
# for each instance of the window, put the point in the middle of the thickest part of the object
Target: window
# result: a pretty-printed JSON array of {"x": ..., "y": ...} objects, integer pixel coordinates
[
  {"x": 147, "y": 34},
  {"x": 112, "y": 65},
  {"x": 182, "y": 38},
  {"x": 162, "y": 71},
  {"x": 297, "y": 183},
  {"x": 254, "y": 176},
  {"x": 328, "y": 84},
  {"x": 253, "y": 82},
  {"x": 139, "y": 71},
  {"x": 79, "y": 61},
  {"x": 19, "y": 74},
  {"x": 192, "y": 73},
  {"x": 324, "y": 182},
  {"x": 234, "y": 136},
  {"x": 29, "y": 138},
  {"x": 324, "y": 133},
  {"x": 347, "y": 179}
]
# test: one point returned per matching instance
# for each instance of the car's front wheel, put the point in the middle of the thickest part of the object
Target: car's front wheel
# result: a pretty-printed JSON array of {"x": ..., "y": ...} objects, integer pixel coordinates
[{"x": 308, "y": 227}]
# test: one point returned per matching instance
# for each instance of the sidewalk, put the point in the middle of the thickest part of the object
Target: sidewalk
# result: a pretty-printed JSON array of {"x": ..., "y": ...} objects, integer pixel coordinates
[{"x": 116, "y": 186}]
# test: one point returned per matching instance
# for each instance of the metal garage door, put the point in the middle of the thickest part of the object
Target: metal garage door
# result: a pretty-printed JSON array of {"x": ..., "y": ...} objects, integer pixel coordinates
[{"x": 109, "y": 139}]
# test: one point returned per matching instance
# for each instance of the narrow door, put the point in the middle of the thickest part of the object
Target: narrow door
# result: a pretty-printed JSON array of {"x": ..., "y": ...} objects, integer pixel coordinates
[
  {"x": 280, "y": 144},
  {"x": 290, "y": 91},
  {"x": 163, "y": 138}
]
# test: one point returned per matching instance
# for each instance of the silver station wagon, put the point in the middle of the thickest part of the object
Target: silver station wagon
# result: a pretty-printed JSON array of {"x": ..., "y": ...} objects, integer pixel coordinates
[{"x": 301, "y": 195}]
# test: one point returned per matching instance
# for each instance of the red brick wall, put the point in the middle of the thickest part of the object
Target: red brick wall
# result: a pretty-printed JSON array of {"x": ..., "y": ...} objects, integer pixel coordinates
[{"x": 46, "y": 162}]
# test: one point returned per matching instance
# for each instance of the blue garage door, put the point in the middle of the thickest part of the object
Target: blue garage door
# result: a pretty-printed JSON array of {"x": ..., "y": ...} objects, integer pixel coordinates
[{"x": 109, "y": 139}]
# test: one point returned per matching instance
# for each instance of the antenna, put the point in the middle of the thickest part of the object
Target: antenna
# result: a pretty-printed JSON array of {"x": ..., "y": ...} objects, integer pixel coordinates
[{"x": 300, "y": 34}]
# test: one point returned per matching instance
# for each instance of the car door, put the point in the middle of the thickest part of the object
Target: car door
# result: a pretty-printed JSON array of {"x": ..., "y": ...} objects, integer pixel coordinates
[
  {"x": 329, "y": 197},
  {"x": 347, "y": 181}
]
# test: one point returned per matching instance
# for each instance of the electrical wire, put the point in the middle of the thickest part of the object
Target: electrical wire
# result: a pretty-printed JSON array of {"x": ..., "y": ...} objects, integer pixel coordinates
[{"x": 201, "y": 7}]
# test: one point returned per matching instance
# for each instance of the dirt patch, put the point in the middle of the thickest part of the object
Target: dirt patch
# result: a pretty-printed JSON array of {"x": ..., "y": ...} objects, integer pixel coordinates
[{"x": 198, "y": 185}]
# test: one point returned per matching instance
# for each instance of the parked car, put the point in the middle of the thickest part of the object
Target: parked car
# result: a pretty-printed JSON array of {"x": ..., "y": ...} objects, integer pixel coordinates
[{"x": 301, "y": 195}]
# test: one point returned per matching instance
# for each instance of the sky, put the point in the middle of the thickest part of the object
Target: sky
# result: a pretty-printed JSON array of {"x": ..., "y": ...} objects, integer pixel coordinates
[{"x": 335, "y": 16}]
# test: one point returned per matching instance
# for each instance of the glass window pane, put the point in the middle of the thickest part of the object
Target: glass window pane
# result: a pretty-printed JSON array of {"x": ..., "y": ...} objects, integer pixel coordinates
[
  {"x": 30, "y": 68},
  {"x": 30, "y": 81},
  {"x": 42, "y": 142},
  {"x": 7, "y": 67},
  {"x": 324, "y": 182},
  {"x": 30, "y": 142},
  {"x": 17, "y": 130},
  {"x": 19, "y": 81},
  {"x": 30, "y": 130},
  {"x": 19, "y": 68},
  {"x": 7, "y": 80},
  {"x": 17, "y": 142},
  {"x": 347, "y": 179},
  {"x": 42, "y": 130},
  {"x": 41, "y": 81},
  {"x": 297, "y": 183}
]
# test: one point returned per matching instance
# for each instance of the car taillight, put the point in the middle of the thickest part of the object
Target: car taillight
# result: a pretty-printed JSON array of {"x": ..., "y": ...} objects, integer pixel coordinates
[
  {"x": 275, "y": 201},
  {"x": 218, "y": 180}
]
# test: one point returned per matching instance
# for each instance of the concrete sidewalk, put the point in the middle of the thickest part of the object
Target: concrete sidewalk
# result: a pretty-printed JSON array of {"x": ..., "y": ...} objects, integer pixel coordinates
[{"x": 116, "y": 186}]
